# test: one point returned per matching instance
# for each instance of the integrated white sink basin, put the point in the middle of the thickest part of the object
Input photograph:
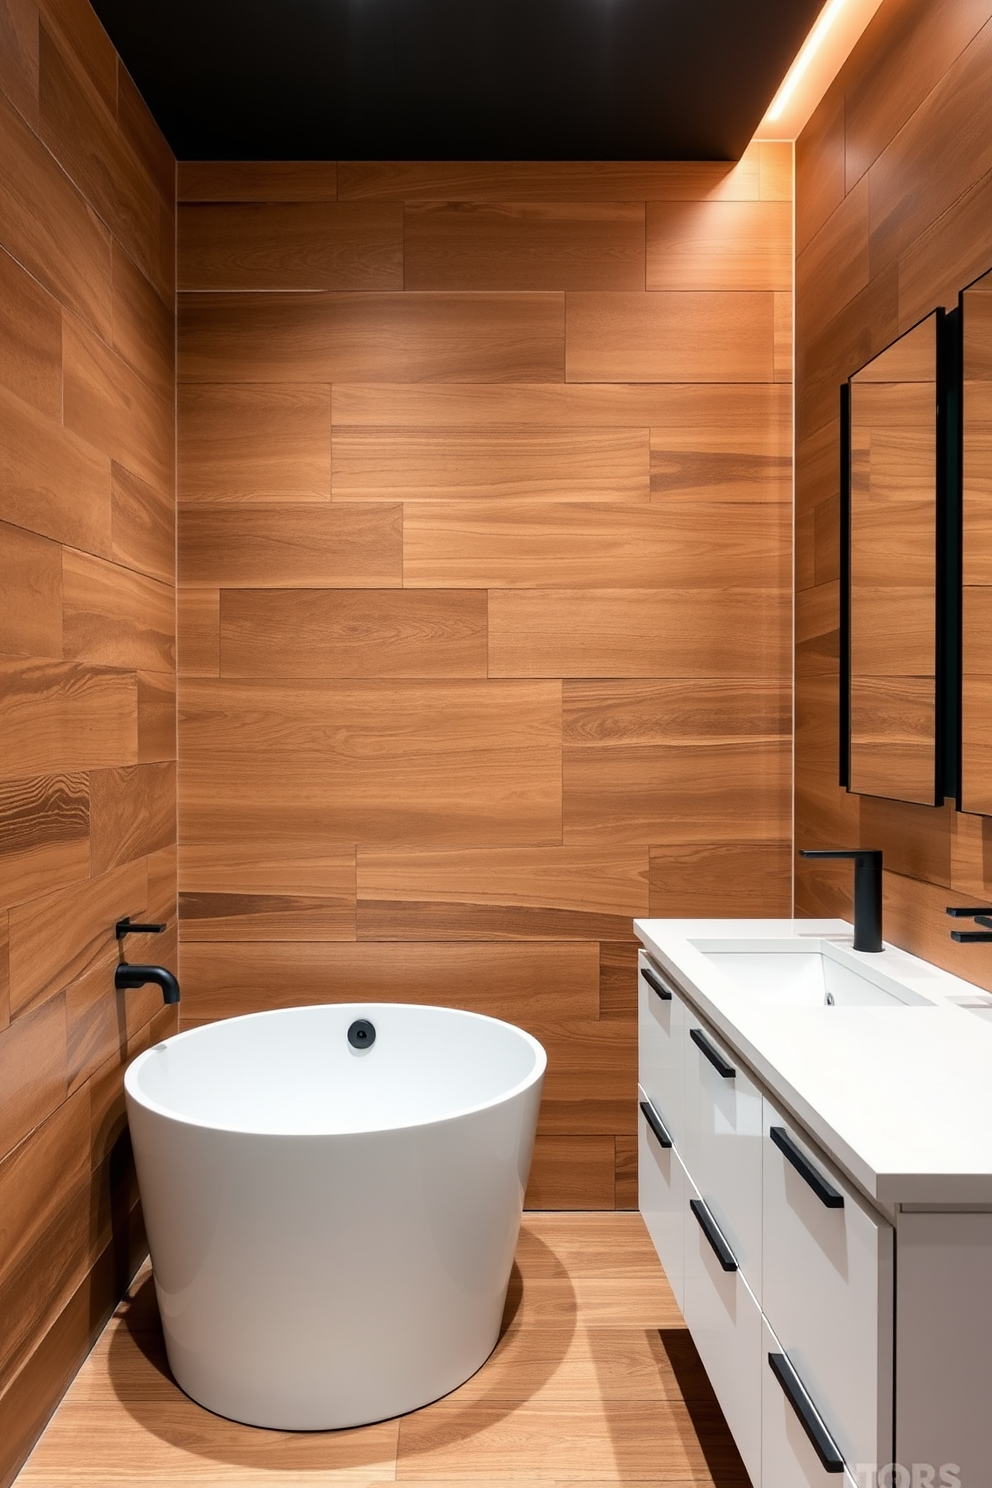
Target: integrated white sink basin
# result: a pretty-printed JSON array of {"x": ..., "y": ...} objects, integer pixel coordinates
[{"x": 794, "y": 973}]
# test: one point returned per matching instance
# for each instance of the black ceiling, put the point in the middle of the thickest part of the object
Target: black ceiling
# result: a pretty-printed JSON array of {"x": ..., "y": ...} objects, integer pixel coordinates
[{"x": 458, "y": 79}]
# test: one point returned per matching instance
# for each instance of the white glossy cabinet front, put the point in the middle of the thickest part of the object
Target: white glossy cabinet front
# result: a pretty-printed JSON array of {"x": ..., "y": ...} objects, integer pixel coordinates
[
  {"x": 722, "y": 1148},
  {"x": 725, "y": 1322},
  {"x": 660, "y": 1035},
  {"x": 788, "y": 1457},
  {"x": 828, "y": 1289},
  {"x": 662, "y": 1198}
]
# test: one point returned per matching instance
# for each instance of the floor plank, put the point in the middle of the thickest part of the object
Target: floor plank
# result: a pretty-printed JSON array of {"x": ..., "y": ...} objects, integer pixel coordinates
[{"x": 593, "y": 1384}]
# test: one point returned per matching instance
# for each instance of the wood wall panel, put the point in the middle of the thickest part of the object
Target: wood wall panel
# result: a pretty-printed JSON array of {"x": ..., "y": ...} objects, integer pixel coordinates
[
  {"x": 291, "y": 245},
  {"x": 718, "y": 245},
  {"x": 408, "y": 770},
  {"x": 30, "y": 339},
  {"x": 663, "y": 632},
  {"x": 87, "y": 675},
  {"x": 255, "y": 443},
  {"x": 590, "y": 545},
  {"x": 300, "y": 546},
  {"x": 353, "y": 633},
  {"x": 908, "y": 219},
  {"x": 31, "y": 584},
  {"x": 536, "y": 462},
  {"x": 539, "y": 245},
  {"x": 372, "y": 338},
  {"x": 671, "y": 336}
]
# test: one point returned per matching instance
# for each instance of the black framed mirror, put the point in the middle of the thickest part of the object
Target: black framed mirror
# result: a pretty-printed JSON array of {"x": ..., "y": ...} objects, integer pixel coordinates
[
  {"x": 975, "y": 791},
  {"x": 896, "y": 589}
]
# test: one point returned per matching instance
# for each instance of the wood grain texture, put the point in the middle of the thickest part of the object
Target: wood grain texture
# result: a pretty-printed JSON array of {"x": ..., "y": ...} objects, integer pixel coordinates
[
  {"x": 266, "y": 891},
  {"x": 19, "y": 56},
  {"x": 540, "y": 245},
  {"x": 528, "y": 983},
  {"x": 44, "y": 835},
  {"x": 372, "y": 338},
  {"x": 550, "y": 181},
  {"x": 496, "y": 894},
  {"x": 736, "y": 790},
  {"x": 533, "y": 462},
  {"x": 64, "y": 716},
  {"x": 60, "y": 935},
  {"x": 143, "y": 525},
  {"x": 724, "y": 879},
  {"x": 87, "y": 574},
  {"x": 755, "y": 412},
  {"x": 291, "y": 245},
  {"x": 30, "y": 339},
  {"x": 910, "y": 221},
  {"x": 132, "y": 813},
  {"x": 83, "y": 137},
  {"x": 51, "y": 482},
  {"x": 254, "y": 443},
  {"x": 31, "y": 584},
  {"x": 591, "y": 1334},
  {"x": 144, "y": 325},
  {"x": 41, "y": 211},
  {"x": 671, "y": 336},
  {"x": 354, "y": 546},
  {"x": 257, "y": 180},
  {"x": 353, "y": 633},
  {"x": 439, "y": 762},
  {"x": 718, "y": 462},
  {"x": 718, "y": 245},
  {"x": 114, "y": 410},
  {"x": 114, "y": 617},
  {"x": 593, "y": 545},
  {"x": 198, "y": 632},
  {"x": 156, "y": 716},
  {"x": 669, "y": 632}
]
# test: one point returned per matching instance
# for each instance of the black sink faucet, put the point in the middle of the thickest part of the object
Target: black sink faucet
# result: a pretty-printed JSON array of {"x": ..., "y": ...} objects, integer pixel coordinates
[
  {"x": 867, "y": 892},
  {"x": 128, "y": 975}
]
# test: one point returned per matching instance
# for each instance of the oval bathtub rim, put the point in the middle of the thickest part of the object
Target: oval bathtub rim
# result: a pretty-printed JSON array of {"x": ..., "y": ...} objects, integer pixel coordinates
[{"x": 165, "y": 1113}]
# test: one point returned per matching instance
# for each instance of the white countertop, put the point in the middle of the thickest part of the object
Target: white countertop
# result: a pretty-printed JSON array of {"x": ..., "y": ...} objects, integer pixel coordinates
[{"x": 900, "y": 1096}]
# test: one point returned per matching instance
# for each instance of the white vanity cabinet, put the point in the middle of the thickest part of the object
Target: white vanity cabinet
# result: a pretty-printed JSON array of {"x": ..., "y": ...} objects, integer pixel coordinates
[{"x": 769, "y": 1250}]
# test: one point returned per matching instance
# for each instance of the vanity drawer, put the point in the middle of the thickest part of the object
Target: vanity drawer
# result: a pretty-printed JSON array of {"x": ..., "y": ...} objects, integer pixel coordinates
[
  {"x": 722, "y": 1146},
  {"x": 661, "y": 1198},
  {"x": 661, "y": 1031},
  {"x": 828, "y": 1288},
  {"x": 725, "y": 1323},
  {"x": 788, "y": 1457}
]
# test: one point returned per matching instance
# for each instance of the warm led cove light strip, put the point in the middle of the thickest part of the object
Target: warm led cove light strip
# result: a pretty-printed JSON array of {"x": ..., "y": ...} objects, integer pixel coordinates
[{"x": 809, "y": 49}]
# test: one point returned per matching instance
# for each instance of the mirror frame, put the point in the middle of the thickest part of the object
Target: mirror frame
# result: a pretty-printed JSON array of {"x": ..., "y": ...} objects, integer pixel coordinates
[{"x": 947, "y": 562}]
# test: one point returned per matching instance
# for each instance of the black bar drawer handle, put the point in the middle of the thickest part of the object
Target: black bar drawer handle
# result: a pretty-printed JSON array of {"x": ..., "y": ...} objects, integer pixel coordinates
[
  {"x": 712, "y": 1053},
  {"x": 656, "y": 984},
  {"x": 656, "y": 1124},
  {"x": 825, "y": 1192},
  {"x": 708, "y": 1225},
  {"x": 812, "y": 1423}
]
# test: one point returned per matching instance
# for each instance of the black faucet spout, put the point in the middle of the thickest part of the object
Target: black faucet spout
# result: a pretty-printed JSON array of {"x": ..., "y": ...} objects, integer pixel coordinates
[
  {"x": 128, "y": 975},
  {"x": 867, "y": 892}
]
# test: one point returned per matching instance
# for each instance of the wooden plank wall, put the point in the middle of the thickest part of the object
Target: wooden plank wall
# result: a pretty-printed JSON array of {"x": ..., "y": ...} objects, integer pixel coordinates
[
  {"x": 893, "y": 218},
  {"x": 87, "y": 675},
  {"x": 485, "y": 539}
]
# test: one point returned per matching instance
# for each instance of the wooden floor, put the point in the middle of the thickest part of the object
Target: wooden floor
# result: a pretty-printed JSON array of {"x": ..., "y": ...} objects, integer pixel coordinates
[{"x": 595, "y": 1381}]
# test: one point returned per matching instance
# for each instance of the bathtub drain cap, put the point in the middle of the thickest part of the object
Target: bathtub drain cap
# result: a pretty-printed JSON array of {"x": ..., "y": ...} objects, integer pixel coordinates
[{"x": 361, "y": 1034}]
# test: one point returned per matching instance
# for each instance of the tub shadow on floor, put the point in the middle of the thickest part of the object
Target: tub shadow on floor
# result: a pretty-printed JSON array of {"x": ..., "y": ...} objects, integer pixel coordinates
[{"x": 140, "y": 1378}]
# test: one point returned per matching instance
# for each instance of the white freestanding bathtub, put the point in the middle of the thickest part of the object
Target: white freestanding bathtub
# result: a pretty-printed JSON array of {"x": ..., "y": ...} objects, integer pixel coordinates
[{"x": 332, "y": 1227}]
